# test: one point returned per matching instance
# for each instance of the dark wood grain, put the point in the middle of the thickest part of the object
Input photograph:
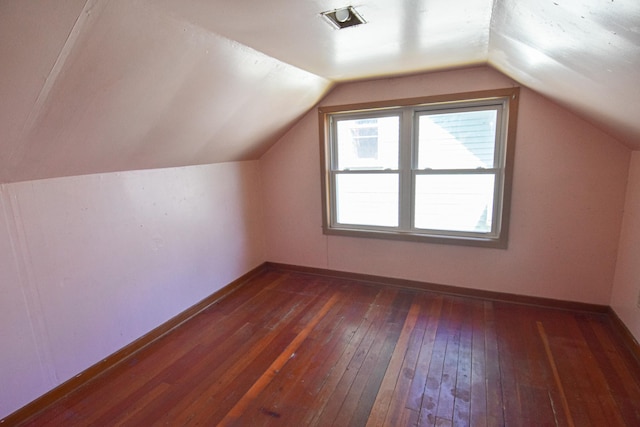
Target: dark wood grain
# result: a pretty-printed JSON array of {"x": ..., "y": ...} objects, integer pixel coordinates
[{"x": 294, "y": 349}]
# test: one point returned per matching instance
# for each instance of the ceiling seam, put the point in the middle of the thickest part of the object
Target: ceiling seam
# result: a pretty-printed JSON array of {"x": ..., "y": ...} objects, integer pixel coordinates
[
  {"x": 494, "y": 5},
  {"x": 69, "y": 44}
]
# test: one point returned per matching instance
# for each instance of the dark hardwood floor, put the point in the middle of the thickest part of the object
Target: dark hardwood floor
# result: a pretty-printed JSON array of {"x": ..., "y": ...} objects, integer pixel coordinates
[{"x": 291, "y": 349}]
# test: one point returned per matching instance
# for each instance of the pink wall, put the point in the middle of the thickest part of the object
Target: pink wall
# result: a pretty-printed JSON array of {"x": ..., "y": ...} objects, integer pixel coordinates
[
  {"x": 568, "y": 196},
  {"x": 90, "y": 263},
  {"x": 626, "y": 287}
]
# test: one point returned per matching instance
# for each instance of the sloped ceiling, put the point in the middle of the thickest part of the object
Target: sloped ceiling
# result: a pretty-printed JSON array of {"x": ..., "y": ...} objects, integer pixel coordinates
[{"x": 109, "y": 85}]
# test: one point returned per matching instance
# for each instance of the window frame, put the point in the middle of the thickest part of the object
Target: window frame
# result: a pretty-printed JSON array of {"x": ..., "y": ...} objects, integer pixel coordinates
[{"x": 409, "y": 111}]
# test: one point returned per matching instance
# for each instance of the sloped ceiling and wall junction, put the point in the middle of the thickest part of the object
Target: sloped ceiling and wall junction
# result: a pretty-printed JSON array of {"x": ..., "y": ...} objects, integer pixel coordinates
[{"x": 91, "y": 86}]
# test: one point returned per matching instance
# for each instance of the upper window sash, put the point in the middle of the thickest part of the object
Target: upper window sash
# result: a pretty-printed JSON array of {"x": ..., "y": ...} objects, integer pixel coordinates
[{"x": 387, "y": 143}]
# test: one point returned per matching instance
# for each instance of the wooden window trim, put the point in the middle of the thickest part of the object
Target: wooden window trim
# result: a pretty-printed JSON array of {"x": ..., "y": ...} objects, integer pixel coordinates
[{"x": 450, "y": 238}]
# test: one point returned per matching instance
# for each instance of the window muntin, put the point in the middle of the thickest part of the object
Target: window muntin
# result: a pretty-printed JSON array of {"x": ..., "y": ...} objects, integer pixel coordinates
[{"x": 435, "y": 171}]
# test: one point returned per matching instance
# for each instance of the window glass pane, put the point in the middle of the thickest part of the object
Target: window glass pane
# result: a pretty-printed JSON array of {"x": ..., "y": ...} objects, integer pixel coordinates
[
  {"x": 454, "y": 202},
  {"x": 462, "y": 140},
  {"x": 367, "y": 199},
  {"x": 370, "y": 143}
]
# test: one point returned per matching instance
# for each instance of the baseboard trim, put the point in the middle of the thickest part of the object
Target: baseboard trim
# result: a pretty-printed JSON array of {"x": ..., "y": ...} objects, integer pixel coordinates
[
  {"x": 625, "y": 334},
  {"x": 111, "y": 361},
  {"x": 446, "y": 289},
  {"x": 627, "y": 338}
]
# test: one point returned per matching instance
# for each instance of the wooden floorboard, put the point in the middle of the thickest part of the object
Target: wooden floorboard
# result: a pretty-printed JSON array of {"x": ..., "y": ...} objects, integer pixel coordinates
[{"x": 295, "y": 349}]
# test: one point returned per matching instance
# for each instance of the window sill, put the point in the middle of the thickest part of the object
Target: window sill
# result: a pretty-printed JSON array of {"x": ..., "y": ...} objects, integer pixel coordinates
[{"x": 484, "y": 242}]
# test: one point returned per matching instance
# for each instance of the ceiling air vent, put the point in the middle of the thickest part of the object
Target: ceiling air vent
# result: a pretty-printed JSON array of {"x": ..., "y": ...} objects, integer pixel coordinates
[{"x": 343, "y": 18}]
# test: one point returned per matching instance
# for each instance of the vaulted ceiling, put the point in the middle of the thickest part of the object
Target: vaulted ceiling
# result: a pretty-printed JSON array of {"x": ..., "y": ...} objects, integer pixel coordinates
[{"x": 109, "y": 85}]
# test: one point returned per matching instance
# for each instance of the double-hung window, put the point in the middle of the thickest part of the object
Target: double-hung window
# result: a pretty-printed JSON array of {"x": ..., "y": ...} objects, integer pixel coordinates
[{"x": 434, "y": 169}]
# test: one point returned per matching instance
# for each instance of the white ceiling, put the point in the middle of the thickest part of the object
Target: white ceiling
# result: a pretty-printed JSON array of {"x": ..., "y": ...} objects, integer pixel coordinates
[
  {"x": 106, "y": 85},
  {"x": 400, "y": 35}
]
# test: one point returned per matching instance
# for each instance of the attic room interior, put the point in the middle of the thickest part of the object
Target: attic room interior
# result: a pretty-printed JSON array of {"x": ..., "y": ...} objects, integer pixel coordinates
[{"x": 172, "y": 240}]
